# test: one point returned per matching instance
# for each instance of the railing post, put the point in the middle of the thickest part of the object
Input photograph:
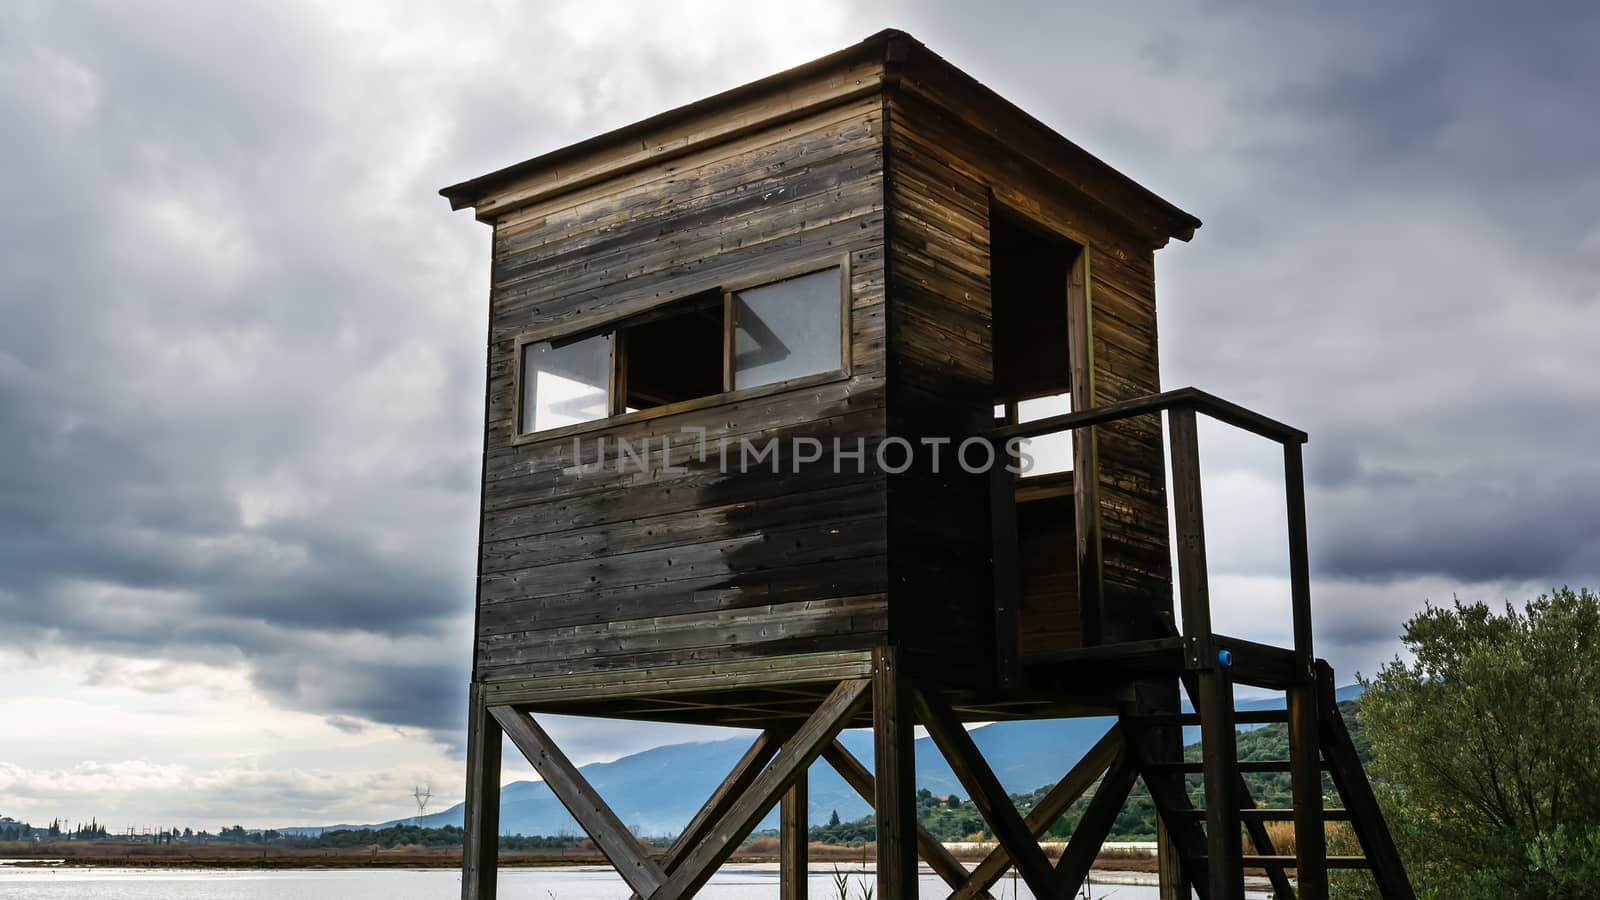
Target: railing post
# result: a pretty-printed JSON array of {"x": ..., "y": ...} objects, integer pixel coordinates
[
  {"x": 1189, "y": 521},
  {"x": 1305, "y": 747},
  {"x": 1214, "y": 693},
  {"x": 1294, "y": 490}
]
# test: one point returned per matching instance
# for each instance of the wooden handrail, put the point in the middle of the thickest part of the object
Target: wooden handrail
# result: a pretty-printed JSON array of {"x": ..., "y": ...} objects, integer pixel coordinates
[
  {"x": 1182, "y": 405},
  {"x": 1194, "y": 398}
]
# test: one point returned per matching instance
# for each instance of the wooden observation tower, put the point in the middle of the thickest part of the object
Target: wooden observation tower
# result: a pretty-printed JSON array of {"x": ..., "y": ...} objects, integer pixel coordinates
[{"x": 746, "y": 361}]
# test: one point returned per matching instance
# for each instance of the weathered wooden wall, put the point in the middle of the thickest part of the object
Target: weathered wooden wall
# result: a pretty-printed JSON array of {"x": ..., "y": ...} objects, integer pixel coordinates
[
  {"x": 617, "y": 568},
  {"x": 940, "y": 386},
  {"x": 893, "y": 161},
  {"x": 952, "y": 148}
]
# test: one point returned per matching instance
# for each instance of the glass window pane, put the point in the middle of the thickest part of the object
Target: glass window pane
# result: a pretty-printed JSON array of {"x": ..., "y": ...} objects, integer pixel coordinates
[
  {"x": 1051, "y": 453},
  {"x": 565, "y": 385},
  {"x": 788, "y": 329}
]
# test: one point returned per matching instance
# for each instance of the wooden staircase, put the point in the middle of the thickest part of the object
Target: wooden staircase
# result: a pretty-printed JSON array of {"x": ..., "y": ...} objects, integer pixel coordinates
[{"x": 1207, "y": 840}]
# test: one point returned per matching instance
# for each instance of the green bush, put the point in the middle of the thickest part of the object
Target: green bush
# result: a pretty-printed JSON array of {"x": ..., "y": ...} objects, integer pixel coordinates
[{"x": 1489, "y": 744}]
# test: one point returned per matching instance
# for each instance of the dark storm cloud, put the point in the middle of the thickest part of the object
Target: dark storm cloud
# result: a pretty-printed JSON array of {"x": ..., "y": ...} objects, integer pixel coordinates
[
  {"x": 220, "y": 404},
  {"x": 240, "y": 337}
]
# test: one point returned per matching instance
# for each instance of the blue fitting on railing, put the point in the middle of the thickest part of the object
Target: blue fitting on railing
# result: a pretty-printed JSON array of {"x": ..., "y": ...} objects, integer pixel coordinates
[{"x": 1225, "y": 658}]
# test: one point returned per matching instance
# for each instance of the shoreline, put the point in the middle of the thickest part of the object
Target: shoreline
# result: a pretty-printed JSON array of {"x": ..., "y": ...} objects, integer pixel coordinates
[{"x": 73, "y": 855}]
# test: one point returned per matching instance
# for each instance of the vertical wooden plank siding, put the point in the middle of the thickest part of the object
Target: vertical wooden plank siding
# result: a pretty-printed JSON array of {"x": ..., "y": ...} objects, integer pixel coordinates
[
  {"x": 1006, "y": 565},
  {"x": 943, "y": 172},
  {"x": 1085, "y": 448},
  {"x": 940, "y": 378},
  {"x": 1135, "y": 561}
]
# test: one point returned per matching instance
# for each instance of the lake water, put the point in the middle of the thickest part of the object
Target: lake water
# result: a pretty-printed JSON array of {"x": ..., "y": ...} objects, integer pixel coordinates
[{"x": 570, "y": 883}]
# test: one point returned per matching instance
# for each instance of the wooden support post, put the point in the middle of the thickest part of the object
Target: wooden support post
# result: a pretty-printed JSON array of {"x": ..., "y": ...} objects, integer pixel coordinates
[
  {"x": 481, "y": 831},
  {"x": 895, "y": 765},
  {"x": 761, "y": 750},
  {"x": 1305, "y": 781},
  {"x": 793, "y": 835},
  {"x": 1169, "y": 791},
  {"x": 1214, "y": 697},
  {"x": 1219, "y": 755},
  {"x": 1175, "y": 810},
  {"x": 619, "y": 845},
  {"x": 941, "y": 860},
  {"x": 1366, "y": 817},
  {"x": 794, "y": 757},
  {"x": 1161, "y": 740},
  {"x": 1169, "y": 868},
  {"x": 987, "y": 793},
  {"x": 1090, "y": 834},
  {"x": 1045, "y": 813}
]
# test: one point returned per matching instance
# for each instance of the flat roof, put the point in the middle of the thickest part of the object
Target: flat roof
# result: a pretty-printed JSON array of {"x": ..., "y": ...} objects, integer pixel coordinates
[{"x": 891, "y": 46}]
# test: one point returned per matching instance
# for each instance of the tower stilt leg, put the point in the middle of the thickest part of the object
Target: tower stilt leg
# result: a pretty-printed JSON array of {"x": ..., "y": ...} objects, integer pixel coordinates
[
  {"x": 893, "y": 729},
  {"x": 481, "y": 842},
  {"x": 793, "y": 834}
]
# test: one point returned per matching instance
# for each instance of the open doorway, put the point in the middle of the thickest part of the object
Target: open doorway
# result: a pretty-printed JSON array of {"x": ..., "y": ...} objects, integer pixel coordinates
[{"x": 1029, "y": 273}]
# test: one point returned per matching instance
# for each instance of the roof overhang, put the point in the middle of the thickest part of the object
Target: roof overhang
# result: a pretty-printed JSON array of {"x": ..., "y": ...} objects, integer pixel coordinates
[{"x": 888, "y": 60}]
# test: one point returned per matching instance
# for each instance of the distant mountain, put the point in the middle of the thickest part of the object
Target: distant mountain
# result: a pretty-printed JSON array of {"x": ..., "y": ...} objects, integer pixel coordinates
[{"x": 660, "y": 789}]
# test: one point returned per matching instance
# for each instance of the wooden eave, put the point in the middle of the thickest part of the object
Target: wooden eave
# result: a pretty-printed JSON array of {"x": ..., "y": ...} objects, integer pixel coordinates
[{"x": 887, "y": 61}]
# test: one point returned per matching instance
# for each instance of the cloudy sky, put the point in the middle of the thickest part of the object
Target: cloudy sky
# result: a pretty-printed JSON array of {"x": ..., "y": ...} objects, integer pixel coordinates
[{"x": 241, "y": 337}]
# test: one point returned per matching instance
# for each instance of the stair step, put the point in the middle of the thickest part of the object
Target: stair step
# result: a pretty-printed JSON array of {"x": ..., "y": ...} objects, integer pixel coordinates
[
  {"x": 1240, "y": 717},
  {"x": 1245, "y": 766},
  {"x": 1272, "y": 814}
]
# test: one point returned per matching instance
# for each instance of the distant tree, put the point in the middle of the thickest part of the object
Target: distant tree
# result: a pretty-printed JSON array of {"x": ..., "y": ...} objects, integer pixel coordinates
[
  {"x": 833, "y": 820},
  {"x": 1489, "y": 744}
]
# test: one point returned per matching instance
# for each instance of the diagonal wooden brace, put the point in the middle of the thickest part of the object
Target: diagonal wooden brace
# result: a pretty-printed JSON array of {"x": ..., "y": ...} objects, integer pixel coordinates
[
  {"x": 942, "y": 861},
  {"x": 1091, "y": 831},
  {"x": 987, "y": 793},
  {"x": 1045, "y": 812},
  {"x": 579, "y": 797},
  {"x": 742, "y": 816},
  {"x": 744, "y": 771}
]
